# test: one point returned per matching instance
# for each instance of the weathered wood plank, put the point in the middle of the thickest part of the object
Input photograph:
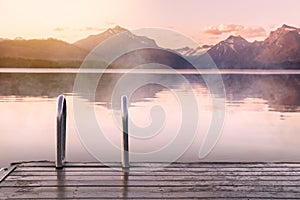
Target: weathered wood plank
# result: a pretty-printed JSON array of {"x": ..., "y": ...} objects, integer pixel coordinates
[
  {"x": 40, "y": 180},
  {"x": 244, "y": 169},
  {"x": 5, "y": 172},
  {"x": 160, "y": 173},
  {"x": 180, "y": 165},
  {"x": 154, "y": 177},
  {"x": 149, "y": 192},
  {"x": 142, "y": 183}
]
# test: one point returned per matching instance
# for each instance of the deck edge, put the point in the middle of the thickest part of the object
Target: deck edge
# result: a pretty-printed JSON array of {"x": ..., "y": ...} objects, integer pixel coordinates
[{"x": 6, "y": 172}]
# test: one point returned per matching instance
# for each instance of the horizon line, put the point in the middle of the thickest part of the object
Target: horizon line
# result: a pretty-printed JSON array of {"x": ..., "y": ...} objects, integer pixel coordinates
[{"x": 20, "y": 38}]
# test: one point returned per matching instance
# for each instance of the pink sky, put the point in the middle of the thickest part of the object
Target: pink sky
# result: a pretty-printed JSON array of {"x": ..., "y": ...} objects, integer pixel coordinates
[{"x": 207, "y": 22}]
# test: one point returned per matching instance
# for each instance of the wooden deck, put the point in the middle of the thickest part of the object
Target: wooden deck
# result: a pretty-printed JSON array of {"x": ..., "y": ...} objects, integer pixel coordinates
[{"x": 40, "y": 180}]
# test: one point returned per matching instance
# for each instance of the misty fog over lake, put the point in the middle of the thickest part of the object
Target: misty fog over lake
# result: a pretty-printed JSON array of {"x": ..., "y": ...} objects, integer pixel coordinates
[{"x": 261, "y": 122}]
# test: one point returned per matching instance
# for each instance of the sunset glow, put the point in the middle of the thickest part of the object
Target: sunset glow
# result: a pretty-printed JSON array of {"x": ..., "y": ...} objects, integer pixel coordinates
[{"x": 205, "y": 21}]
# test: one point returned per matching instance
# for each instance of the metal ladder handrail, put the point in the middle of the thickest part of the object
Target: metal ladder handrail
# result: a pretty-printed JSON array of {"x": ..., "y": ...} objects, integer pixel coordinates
[
  {"x": 61, "y": 120},
  {"x": 125, "y": 143}
]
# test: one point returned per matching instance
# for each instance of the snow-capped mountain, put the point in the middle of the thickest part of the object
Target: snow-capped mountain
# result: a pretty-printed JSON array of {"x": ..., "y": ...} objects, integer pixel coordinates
[
  {"x": 233, "y": 44},
  {"x": 234, "y": 52},
  {"x": 281, "y": 49},
  {"x": 187, "y": 51}
]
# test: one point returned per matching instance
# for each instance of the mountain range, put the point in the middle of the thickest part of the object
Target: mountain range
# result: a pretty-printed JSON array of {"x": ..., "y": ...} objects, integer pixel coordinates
[{"x": 280, "y": 50}]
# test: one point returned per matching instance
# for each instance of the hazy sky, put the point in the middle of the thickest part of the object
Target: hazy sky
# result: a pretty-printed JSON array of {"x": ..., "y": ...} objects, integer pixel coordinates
[{"x": 205, "y": 21}]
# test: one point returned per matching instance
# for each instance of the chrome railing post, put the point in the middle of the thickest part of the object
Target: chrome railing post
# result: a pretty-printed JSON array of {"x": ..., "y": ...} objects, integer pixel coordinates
[
  {"x": 61, "y": 131},
  {"x": 125, "y": 144}
]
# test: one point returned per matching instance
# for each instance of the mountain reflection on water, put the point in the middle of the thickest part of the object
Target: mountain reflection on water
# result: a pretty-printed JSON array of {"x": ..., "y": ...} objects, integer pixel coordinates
[
  {"x": 281, "y": 92},
  {"x": 261, "y": 122}
]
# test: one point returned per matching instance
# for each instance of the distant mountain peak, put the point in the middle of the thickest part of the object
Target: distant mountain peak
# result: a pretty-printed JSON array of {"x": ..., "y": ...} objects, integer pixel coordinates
[
  {"x": 281, "y": 49},
  {"x": 92, "y": 41},
  {"x": 188, "y": 51},
  {"x": 288, "y": 28},
  {"x": 284, "y": 29},
  {"x": 233, "y": 39},
  {"x": 117, "y": 29},
  {"x": 19, "y": 38},
  {"x": 281, "y": 33},
  {"x": 233, "y": 43}
]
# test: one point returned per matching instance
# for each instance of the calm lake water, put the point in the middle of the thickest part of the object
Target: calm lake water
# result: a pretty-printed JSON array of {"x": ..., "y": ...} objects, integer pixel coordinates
[{"x": 261, "y": 114}]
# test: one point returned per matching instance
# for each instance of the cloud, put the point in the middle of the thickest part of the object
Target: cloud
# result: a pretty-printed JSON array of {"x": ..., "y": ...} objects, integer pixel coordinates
[
  {"x": 223, "y": 28},
  {"x": 88, "y": 28},
  {"x": 212, "y": 31},
  {"x": 236, "y": 29},
  {"x": 58, "y": 29},
  {"x": 252, "y": 32}
]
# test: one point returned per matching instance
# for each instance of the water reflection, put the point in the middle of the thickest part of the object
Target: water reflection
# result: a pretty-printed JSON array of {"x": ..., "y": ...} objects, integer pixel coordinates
[
  {"x": 35, "y": 85},
  {"x": 61, "y": 181},
  {"x": 124, "y": 184},
  {"x": 262, "y": 116},
  {"x": 281, "y": 92}
]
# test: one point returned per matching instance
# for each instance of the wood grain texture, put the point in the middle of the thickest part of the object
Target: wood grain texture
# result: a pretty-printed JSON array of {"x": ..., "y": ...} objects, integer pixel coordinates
[{"x": 40, "y": 180}]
